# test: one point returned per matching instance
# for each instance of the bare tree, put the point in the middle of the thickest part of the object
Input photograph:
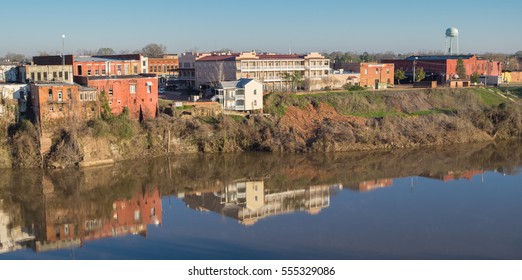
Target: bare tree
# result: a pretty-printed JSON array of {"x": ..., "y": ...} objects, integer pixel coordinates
[
  {"x": 14, "y": 57},
  {"x": 105, "y": 51},
  {"x": 85, "y": 52},
  {"x": 153, "y": 50}
]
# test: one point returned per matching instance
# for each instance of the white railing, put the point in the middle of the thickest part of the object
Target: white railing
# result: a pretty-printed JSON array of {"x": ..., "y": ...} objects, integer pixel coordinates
[{"x": 264, "y": 68}]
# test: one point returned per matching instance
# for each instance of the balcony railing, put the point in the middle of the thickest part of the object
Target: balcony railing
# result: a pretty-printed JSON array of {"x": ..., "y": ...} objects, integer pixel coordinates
[{"x": 269, "y": 68}]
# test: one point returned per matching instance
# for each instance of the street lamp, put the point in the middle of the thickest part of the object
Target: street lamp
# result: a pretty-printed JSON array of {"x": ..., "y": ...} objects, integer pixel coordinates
[
  {"x": 414, "y": 64},
  {"x": 63, "y": 57}
]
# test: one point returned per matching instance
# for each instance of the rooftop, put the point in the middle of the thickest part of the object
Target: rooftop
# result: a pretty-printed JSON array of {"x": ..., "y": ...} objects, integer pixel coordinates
[
  {"x": 57, "y": 83},
  {"x": 236, "y": 84},
  {"x": 280, "y": 56},
  {"x": 225, "y": 57},
  {"x": 93, "y": 59},
  {"x": 121, "y": 77},
  {"x": 438, "y": 57}
]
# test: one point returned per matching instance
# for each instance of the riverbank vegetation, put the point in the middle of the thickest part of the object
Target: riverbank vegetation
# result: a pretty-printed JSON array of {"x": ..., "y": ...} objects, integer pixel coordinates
[{"x": 320, "y": 122}]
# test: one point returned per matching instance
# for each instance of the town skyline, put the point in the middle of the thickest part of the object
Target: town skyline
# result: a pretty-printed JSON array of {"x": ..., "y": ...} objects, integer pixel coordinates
[{"x": 290, "y": 26}]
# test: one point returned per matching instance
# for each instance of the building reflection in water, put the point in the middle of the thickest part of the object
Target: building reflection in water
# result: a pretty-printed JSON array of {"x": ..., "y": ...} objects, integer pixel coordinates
[
  {"x": 371, "y": 185},
  {"x": 56, "y": 214},
  {"x": 47, "y": 210},
  {"x": 13, "y": 237},
  {"x": 250, "y": 201},
  {"x": 453, "y": 175},
  {"x": 69, "y": 226}
]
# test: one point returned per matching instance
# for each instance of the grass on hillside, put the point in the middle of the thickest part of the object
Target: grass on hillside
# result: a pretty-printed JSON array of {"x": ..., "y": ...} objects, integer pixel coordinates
[{"x": 490, "y": 96}]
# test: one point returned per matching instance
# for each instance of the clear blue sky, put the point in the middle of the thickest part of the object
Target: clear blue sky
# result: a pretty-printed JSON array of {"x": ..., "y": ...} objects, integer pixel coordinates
[{"x": 268, "y": 25}]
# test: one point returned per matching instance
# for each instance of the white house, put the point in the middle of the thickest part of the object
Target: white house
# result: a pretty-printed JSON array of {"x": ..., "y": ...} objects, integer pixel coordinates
[{"x": 241, "y": 95}]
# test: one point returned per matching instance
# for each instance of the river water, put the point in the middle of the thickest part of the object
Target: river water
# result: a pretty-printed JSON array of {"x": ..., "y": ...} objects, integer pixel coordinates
[{"x": 458, "y": 202}]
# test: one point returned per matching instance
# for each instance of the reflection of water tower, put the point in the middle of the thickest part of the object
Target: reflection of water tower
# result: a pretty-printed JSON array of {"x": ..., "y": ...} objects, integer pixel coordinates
[{"x": 452, "y": 40}]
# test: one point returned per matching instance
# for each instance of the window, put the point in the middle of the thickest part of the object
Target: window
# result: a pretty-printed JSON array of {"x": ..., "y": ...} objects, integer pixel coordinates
[
  {"x": 137, "y": 215},
  {"x": 144, "y": 63},
  {"x": 149, "y": 87},
  {"x": 132, "y": 88},
  {"x": 376, "y": 70},
  {"x": 45, "y": 76},
  {"x": 50, "y": 95},
  {"x": 67, "y": 75},
  {"x": 55, "y": 75},
  {"x": 387, "y": 71},
  {"x": 150, "y": 70},
  {"x": 97, "y": 72},
  {"x": 81, "y": 96},
  {"x": 60, "y": 96},
  {"x": 60, "y": 74},
  {"x": 255, "y": 91},
  {"x": 51, "y": 109},
  {"x": 119, "y": 102},
  {"x": 110, "y": 102},
  {"x": 60, "y": 108},
  {"x": 103, "y": 72},
  {"x": 39, "y": 76},
  {"x": 365, "y": 71},
  {"x": 110, "y": 92},
  {"x": 255, "y": 102},
  {"x": 69, "y": 94},
  {"x": 89, "y": 72},
  {"x": 32, "y": 76},
  {"x": 135, "y": 69}
]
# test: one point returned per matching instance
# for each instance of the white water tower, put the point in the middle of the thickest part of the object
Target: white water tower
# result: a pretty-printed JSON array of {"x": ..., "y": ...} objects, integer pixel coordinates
[{"x": 452, "y": 40}]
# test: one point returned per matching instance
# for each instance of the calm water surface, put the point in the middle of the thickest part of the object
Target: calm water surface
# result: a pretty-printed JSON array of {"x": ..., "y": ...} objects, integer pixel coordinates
[{"x": 459, "y": 202}]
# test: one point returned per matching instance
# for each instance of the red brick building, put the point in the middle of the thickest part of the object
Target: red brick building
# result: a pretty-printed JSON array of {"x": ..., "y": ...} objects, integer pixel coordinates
[
  {"x": 139, "y": 93},
  {"x": 98, "y": 65},
  {"x": 372, "y": 74},
  {"x": 444, "y": 67},
  {"x": 56, "y": 104}
]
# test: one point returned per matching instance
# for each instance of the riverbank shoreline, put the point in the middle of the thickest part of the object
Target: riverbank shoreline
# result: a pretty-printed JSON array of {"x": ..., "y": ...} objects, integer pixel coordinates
[{"x": 304, "y": 123}]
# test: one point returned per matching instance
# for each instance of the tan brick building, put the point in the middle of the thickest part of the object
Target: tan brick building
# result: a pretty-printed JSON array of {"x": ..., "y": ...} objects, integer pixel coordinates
[{"x": 165, "y": 66}]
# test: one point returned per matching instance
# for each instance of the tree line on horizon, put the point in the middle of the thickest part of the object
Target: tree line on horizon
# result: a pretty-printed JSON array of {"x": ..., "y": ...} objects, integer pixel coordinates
[
  {"x": 510, "y": 61},
  {"x": 150, "y": 50}
]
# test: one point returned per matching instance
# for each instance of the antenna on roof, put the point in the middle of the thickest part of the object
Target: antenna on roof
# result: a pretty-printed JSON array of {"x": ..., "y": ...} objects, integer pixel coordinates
[{"x": 289, "y": 48}]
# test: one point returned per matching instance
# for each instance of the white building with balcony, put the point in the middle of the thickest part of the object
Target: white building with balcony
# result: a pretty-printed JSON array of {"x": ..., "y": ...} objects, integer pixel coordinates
[
  {"x": 272, "y": 70},
  {"x": 241, "y": 95}
]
